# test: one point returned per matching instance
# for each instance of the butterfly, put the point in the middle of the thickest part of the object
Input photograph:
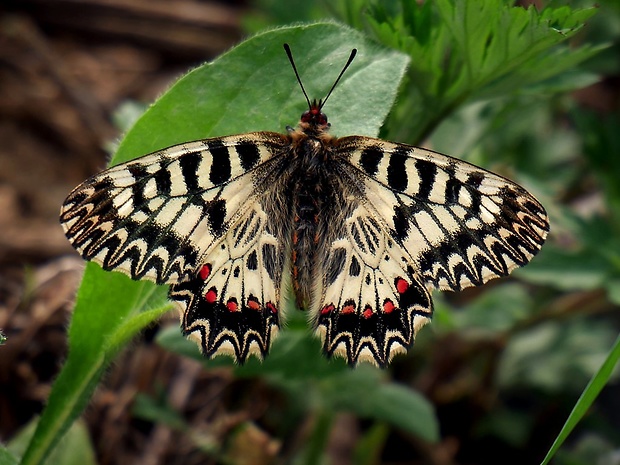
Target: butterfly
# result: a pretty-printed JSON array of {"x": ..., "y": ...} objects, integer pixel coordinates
[{"x": 359, "y": 230}]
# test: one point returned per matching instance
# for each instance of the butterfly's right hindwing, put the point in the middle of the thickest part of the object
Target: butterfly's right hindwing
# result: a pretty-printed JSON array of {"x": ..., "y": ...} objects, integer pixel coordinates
[
  {"x": 154, "y": 217},
  {"x": 373, "y": 302},
  {"x": 421, "y": 220}
]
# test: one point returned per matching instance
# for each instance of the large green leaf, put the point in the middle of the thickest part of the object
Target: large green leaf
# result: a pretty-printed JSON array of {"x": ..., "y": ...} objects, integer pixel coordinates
[
  {"x": 363, "y": 393},
  {"x": 253, "y": 88}
]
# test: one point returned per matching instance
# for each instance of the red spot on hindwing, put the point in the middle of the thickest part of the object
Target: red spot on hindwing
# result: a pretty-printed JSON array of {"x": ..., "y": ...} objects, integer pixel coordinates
[
  {"x": 253, "y": 303},
  {"x": 401, "y": 285},
  {"x": 367, "y": 313},
  {"x": 211, "y": 296},
  {"x": 205, "y": 271},
  {"x": 271, "y": 307},
  {"x": 327, "y": 309},
  {"x": 348, "y": 307},
  {"x": 232, "y": 305},
  {"x": 388, "y": 306}
]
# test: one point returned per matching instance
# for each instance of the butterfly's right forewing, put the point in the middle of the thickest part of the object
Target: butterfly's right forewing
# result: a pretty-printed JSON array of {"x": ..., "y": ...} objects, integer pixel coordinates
[{"x": 458, "y": 224}]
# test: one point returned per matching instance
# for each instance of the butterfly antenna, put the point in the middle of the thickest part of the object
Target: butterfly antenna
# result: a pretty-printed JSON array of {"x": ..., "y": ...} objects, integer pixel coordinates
[
  {"x": 353, "y": 53},
  {"x": 290, "y": 58}
]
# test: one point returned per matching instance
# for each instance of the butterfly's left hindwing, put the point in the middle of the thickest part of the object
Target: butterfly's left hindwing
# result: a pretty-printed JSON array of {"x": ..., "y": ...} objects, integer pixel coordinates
[
  {"x": 232, "y": 304},
  {"x": 190, "y": 216}
]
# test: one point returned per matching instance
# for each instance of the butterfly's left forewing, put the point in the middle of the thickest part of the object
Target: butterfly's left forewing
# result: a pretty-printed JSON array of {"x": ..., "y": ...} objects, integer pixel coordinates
[{"x": 154, "y": 217}]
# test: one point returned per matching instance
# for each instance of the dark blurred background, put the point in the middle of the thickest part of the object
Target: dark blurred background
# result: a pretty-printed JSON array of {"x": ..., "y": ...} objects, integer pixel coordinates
[
  {"x": 67, "y": 71},
  {"x": 71, "y": 74}
]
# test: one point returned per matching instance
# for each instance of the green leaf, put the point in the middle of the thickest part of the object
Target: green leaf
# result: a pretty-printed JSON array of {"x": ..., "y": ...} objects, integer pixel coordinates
[
  {"x": 593, "y": 261},
  {"x": 368, "y": 447},
  {"x": 467, "y": 51},
  {"x": 497, "y": 309},
  {"x": 250, "y": 88},
  {"x": 76, "y": 449},
  {"x": 7, "y": 458},
  {"x": 403, "y": 407},
  {"x": 592, "y": 390},
  {"x": 102, "y": 323},
  {"x": 253, "y": 88},
  {"x": 364, "y": 393},
  {"x": 555, "y": 356},
  {"x": 567, "y": 270}
]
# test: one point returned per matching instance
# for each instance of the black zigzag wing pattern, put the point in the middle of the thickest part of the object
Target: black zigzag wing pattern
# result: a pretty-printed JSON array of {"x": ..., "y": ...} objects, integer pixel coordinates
[{"x": 191, "y": 216}]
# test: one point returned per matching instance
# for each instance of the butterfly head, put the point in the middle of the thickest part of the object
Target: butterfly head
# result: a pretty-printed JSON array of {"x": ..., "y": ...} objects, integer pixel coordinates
[{"x": 314, "y": 117}]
